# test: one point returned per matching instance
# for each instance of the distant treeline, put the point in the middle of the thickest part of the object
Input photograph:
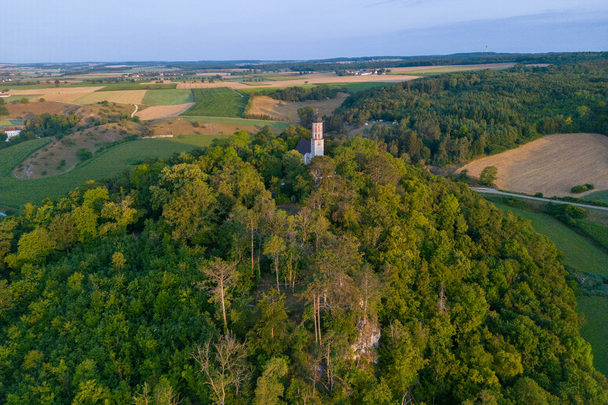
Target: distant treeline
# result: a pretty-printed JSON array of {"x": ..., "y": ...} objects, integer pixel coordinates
[
  {"x": 455, "y": 117},
  {"x": 459, "y": 59}
]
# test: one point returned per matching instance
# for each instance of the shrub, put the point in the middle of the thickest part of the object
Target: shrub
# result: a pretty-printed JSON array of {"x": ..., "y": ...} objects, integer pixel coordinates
[
  {"x": 582, "y": 189},
  {"x": 84, "y": 154}
]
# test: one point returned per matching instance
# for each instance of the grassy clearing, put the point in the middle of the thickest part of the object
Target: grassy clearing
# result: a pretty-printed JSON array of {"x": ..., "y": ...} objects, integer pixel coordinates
[
  {"x": 579, "y": 253},
  {"x": 16, "y": 193},
  {"x": 168, "y": 97},
  {"x": 217, "y": 102},
  {"x": 194, "y": 140},
  {"x": 238, "y": 121},
  {"x": 597, "y": 196},
  {"x": 139, "y": 86},
  {"x": 595, "y": 331}
]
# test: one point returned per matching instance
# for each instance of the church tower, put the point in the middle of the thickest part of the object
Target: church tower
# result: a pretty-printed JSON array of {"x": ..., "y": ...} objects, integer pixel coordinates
[{"x": 317, "y": 143}]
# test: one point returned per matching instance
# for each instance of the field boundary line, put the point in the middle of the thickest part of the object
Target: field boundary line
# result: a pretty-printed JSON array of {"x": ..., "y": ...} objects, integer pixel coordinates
[{"x": 487, "y": 190}]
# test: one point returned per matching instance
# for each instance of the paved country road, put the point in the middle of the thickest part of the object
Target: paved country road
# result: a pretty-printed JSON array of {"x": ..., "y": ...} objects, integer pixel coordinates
[{"x": 487, "y": 190}]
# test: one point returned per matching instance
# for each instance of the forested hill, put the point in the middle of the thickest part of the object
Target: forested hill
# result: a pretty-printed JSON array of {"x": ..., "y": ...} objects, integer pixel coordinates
[
  {"x": 184, "y": 279},
  {"x": 459, "y": 116}
]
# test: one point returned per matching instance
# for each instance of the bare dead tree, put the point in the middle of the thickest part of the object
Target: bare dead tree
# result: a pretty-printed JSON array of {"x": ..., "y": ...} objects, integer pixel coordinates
[
  {"x": 442, "y": 306},
  {"x": 224, "y": 366},
  {"x": 222, "y": 276}
]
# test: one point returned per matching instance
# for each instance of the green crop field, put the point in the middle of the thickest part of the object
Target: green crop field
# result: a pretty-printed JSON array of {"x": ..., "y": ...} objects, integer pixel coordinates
[
  {"x": 579, "y": 253},
  {"x": 15, "y": 193},
  {"x": 168, "y": 97},
  {"x": 238, "y": 121},
  {"x": 597, "y": 196},
  {"x": 217, "y": 102},
  {"x": 595, "y": 331},
  {"x": 138, "y": 86},
  {"x": 10, "y": 123},
  {"x": 597, "y": 232}
]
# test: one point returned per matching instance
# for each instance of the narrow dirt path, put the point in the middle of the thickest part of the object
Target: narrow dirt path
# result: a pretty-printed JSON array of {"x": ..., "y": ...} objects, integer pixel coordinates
[{"x": 136, "y": 108}]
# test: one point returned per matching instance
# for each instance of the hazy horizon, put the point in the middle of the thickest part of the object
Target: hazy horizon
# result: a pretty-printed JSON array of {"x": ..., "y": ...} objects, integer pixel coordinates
[{"x": 71, "y": 32}]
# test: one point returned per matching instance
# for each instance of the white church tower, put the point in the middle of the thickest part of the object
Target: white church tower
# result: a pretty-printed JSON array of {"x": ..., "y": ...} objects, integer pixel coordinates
[
  {"x": 314, "y": 147},
  {"x": 317, "y": 143}
]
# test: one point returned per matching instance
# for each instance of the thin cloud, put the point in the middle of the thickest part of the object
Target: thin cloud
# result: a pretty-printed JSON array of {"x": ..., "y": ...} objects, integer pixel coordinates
[{"x": 405, "y": 2}]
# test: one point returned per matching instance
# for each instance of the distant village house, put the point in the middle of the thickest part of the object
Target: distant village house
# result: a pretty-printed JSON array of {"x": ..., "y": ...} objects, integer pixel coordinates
[{"x": 12, "y": 131}]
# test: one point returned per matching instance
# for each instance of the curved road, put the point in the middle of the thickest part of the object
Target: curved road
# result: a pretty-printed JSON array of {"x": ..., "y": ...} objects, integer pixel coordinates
[
  {"x": 136, "y": 108},
  {"x": 487, "y": 190}
]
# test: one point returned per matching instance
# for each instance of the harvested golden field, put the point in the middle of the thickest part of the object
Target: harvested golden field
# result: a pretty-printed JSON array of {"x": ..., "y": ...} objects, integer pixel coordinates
[
  {"x": 162, "y": 111},
  {"x": 54, "y": 90},
  {"x": 282, "y": 109},
  {"x": 311, "y": 79},
  {"x": 122, "y": 97},
  {"x": 551, "y": 165},
  {"x": 33, "y": 108},
  {"x": 178, "y": 126},
  {"x": 63, "y": 97}
]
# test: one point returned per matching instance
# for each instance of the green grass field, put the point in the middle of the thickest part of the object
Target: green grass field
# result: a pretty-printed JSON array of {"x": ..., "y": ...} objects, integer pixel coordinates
[
  {"x": 595, "y": 331},
  {"x": 11, "y": 157},
  {"x": 238, "y": 121},
  {"x": 217, "y": 102},
  {"x": 168, "y": 97},
  {"x": 138, "y": 86},
  {"x": 15, "y": 193},
  {"x": 597, "y": 196},
  {"x": 194, "y": 140},
  {"x": 579, "y": 253}
]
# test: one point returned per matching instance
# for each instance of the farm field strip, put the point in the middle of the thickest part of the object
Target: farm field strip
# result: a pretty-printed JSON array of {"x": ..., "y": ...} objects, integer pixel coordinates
[
  {"x": 123, "y": 97},
  {"x": 54, "y": 90},
  {"x": 168, "y": 97},
  {"x": 162, "y": 111},
  {"x": 597, "y": 196},
  {"x": 551, "y": 165},
  {"x": 221, "y": 102}
]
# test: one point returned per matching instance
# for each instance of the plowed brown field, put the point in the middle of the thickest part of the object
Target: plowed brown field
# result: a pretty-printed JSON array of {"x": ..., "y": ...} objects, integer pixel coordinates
[{"x": 551, "y": 165}]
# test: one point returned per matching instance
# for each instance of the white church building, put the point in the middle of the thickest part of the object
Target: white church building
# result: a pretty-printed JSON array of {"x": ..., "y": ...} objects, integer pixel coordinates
[{"x": 314, "y": 147}]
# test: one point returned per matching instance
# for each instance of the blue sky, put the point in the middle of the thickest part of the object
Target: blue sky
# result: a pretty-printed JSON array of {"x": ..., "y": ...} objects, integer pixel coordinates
[{"x": 189, "y": 30}]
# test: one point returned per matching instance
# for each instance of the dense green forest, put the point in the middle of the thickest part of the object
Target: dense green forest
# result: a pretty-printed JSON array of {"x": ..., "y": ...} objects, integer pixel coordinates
[
  {"x": 458, "y": 116},
  {"x": 379, "y": 284}
]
